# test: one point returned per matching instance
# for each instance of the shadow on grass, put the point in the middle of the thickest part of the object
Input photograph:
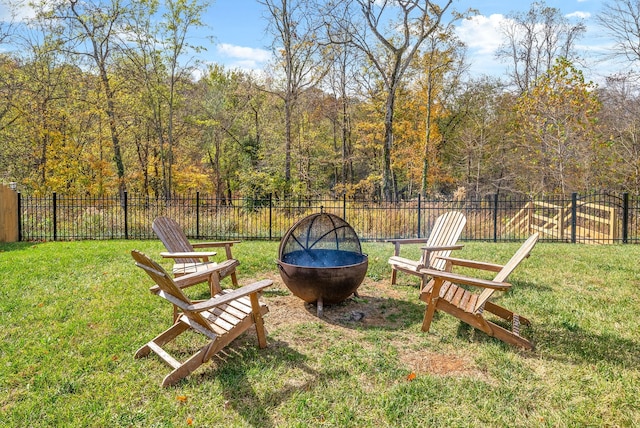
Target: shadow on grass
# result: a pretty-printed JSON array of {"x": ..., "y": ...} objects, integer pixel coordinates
[
  {"x": 240, "y": 363},
  {"x": 16, "y": 246},
  {"x": 371, "y": 313},
  {"x": 471, "y": 334},
  {"x": 566, "y": 343},
  {"x": 388, "y": 313},
  {"x": 573, "y": 344}
]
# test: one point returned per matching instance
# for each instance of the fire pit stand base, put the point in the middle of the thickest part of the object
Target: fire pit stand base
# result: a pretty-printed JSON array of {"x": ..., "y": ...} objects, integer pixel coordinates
[{"x": 320, "y": 305}]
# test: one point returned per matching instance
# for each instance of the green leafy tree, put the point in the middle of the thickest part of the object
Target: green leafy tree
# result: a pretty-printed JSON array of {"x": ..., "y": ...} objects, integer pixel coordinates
[{"x": 556, "y": 138}]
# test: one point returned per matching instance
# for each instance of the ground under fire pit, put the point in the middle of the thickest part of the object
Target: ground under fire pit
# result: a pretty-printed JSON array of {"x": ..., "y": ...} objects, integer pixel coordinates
[{"x": 321, "y": 260}]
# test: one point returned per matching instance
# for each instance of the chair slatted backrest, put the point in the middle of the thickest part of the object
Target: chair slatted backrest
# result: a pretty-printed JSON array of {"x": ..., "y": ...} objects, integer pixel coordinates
[
  {"x": 445, "y": 232},
  {"x": 173, "y": 238},
  {"x": 522, "y": 253},
  {"x": 165, "y": 283}
]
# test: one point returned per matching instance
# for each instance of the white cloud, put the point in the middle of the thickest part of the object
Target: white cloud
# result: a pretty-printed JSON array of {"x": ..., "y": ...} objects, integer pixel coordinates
[
  {"x": 243, "y": 54},
  {"x": 481, "y": 33},
  {"x": 15, "y": 11},
  {"x": 241, "y": 57},
  {"x": 579, "y": 14},
  {"x": 483, "y": 36}
]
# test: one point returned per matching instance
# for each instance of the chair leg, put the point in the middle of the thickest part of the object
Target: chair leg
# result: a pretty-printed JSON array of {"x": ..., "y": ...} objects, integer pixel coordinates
[
  {"x": 257, "y": 320},
  {"x": 423, "y": 282},
  {"x": 234, "y": 279},
  {"x": 394, "y": 271},
  {"x": 186, "y": 368},
  {"x": 509, "y": 337},
  {"x": 163, "y": 338},
  {"x": 428, "y": 314},
  {"x": 214, "y": 284},
  {"x": 432, "y": 302}
]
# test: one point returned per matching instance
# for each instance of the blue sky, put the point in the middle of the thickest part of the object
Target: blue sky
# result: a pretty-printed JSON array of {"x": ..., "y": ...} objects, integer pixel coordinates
[
  {"x": 240, "y": 40},
  {"x": 236, "y": 36}
]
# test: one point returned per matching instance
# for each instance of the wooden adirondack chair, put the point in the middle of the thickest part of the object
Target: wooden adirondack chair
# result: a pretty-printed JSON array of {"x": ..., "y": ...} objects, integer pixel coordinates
[
  {"x": 441, "y": 241},
  {"x": 445, "y": 293},
  {"x": 186, "y": 259},
  {"x": 221, "y": 319}
]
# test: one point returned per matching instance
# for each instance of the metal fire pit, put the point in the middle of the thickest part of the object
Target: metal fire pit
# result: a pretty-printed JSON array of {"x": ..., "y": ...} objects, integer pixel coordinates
[{"x": 321, "y": 260}]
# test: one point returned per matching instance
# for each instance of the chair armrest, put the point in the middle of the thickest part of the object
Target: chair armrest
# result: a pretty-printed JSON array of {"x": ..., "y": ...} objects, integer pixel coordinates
[
  {"x": 397, "y": 242},
  {"x": 403, "y": 263},
  {"x": 230, "y": 296},
  {"x": 226, "y": 244},
  {"x": 408, "y": 240},
  {"x": 214, "y": 244},
  {"x": 443, "y": 248},
  {"x": 416, "y": 265},
  {"x": 493, "y": 267},
  {"x": 466, "y": 280},
  {"x": 188, "y": 254},
  {"x": 198, "y": 277}
]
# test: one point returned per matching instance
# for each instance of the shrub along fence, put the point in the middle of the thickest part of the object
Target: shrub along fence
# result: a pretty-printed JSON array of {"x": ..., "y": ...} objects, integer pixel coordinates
[{"x": 597, "y": 218}]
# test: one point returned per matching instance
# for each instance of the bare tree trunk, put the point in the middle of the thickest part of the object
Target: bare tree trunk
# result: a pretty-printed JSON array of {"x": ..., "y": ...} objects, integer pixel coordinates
[
  {"x": 97, "y": 29},
  {"x": 292, "y": 23},
  {"x": 413, "y": 21}
]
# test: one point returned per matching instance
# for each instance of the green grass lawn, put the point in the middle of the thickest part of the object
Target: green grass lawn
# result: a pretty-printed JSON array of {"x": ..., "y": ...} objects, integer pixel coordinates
[{"x": 72, "y": 314}]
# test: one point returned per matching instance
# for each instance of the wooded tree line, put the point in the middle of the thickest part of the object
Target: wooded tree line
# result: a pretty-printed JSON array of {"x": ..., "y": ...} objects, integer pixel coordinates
[{"x": 363, "y": 97}]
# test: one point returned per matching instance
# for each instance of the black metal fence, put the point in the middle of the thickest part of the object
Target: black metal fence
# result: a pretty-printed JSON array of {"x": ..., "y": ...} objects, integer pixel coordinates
[{"x": 601, "y": 218}]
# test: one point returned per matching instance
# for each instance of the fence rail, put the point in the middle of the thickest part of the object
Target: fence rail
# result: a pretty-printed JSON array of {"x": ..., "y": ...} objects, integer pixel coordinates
[{"x": 599, "y": 218}]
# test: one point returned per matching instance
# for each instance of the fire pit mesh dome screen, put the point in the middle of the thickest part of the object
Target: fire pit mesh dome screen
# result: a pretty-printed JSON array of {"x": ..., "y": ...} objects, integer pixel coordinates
[
  {"x": 320, "y": 260},
  {"x": 321, "y": 240}
]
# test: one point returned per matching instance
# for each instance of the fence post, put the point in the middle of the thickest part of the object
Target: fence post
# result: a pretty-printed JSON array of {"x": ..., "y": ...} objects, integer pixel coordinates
[
  {"x": 495, "y": 217},
  {"x": 55, "y": 217},
  {"x": 344, "y": 206},
  {"x": 574, "y": 216},
  {"x": 625, "y": 218},
  {"x": 198, "y": 214},
  {"x": 270, "y": 216},
  {"x": 19, "y": 217},
  {"x": 125, "y": 204},
  {"x": 419, "y": 214}
]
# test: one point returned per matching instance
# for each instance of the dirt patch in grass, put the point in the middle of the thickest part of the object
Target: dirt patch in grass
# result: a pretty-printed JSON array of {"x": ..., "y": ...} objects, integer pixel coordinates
[
  {"x": 445, "y": 364},
  {"x": 379, "y": 306},
  {"x": 376, "y": 306}
]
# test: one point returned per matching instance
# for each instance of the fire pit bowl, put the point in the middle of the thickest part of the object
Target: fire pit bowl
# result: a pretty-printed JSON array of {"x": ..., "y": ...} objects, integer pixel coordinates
[{"x": 321, "y": 260}]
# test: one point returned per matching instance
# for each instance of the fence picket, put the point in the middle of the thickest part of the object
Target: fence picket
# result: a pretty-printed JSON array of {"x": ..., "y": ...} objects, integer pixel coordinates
[{"x": 592, "y": 218}]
